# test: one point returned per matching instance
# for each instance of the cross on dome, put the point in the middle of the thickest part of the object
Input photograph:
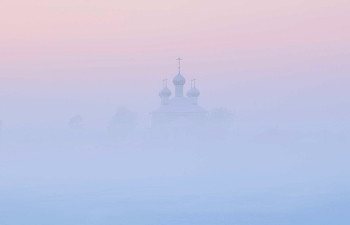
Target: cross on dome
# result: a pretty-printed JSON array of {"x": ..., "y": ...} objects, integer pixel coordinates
[
  {"x": 193, "y": 83},
  {"x": 165, "y": 83},
  {"x": 179, "y": 63}
]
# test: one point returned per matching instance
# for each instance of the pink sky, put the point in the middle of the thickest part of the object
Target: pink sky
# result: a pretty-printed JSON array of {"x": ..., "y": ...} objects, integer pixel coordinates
[
  {"x": 104, "y": 50},
  {"x": 38, "y": 29}
]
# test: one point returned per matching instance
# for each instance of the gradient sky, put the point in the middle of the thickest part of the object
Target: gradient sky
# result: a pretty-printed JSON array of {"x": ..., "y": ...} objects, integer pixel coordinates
[{"x": 273, "y": 61}]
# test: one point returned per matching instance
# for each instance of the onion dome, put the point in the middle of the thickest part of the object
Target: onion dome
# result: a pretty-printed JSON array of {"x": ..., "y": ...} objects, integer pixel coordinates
[
  {"x": 193, "y": 92},
  {"x": 179, "y": 80},
  {"x": 165, "y": 92}
]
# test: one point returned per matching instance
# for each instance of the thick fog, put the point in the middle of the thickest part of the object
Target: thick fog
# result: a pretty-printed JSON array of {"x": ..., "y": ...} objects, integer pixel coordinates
[
  {"x": 272, "y": 151},
  {"x": 81, "y": 85}
]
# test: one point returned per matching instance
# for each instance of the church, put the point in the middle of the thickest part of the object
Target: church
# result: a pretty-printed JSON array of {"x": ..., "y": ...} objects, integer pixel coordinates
[{"x": 179, "y": 111}]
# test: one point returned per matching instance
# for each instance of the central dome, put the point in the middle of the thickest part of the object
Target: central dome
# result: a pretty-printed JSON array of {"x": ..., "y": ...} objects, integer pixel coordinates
[{"x": 179, "y": 80}]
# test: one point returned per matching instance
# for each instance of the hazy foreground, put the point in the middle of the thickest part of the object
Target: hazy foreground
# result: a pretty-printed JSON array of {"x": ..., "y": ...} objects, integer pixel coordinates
[{"x": 235, "y": 181}]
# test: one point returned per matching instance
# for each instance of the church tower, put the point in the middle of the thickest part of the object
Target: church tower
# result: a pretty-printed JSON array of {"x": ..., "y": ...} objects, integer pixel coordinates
[
  {"x": 165, "y": 93},
  {"x": 179, "y": 111},
  {"x": 179, "y": 82},
  {"x": 193, "y": 93}
]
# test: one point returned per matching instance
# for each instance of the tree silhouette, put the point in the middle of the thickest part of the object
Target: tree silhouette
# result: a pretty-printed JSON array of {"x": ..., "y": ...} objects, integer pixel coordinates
[
  {"x": 76, "y": 122},
  {"x": 220, "y": 121},
  {"x": 123, "y": 123}
]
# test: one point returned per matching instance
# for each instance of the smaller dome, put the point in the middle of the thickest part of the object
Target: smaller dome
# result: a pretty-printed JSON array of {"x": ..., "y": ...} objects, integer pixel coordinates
[
  {"x": 179, "y": 80},
  {"x": 193, "y": 92},
  {"x": 165, "y": 92}
]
